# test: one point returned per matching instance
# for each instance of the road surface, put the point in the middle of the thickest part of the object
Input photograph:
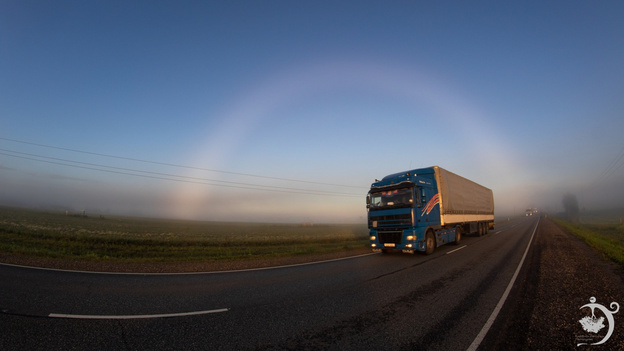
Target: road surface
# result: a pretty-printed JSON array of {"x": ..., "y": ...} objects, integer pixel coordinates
[{"x": 377, "y": 301}]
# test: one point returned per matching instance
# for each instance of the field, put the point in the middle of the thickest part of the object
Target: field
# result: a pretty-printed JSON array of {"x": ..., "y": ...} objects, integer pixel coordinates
[
  {"x": 124, "y": 239},
  {"x": 603, "y": 231}
]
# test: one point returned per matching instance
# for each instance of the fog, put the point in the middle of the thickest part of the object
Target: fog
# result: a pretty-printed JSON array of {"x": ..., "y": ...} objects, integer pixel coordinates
[
  {"x": 152, "y": 198},
  {"x": 163, "y": 199}
]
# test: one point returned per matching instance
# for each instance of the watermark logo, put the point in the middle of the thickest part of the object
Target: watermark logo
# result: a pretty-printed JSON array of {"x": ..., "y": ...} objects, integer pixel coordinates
[{"x": 595, "y": 324}]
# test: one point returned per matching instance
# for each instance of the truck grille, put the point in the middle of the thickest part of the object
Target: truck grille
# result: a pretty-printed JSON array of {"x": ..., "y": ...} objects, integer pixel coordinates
[
  {"x": 389, "y": 236},
  {"x": 393, "y": 221}
]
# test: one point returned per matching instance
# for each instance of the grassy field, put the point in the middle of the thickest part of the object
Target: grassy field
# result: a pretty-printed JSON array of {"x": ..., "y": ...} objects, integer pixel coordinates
[
  {"x": 602, "y": 231},
  {"x": 123, "y": 239}
]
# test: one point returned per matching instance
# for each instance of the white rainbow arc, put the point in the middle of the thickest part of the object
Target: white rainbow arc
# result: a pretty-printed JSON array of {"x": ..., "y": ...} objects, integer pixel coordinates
[{"x": 296, "y": 83}]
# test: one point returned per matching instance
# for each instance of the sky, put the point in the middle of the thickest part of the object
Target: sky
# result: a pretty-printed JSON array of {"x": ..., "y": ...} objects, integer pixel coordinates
[{"x": 287, "y": 111}]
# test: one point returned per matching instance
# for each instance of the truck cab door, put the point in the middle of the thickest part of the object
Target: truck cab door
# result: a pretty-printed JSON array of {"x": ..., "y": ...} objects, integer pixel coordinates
[
  {"x": 430, "y": 210},
  {"x": 423, "y": 198}
]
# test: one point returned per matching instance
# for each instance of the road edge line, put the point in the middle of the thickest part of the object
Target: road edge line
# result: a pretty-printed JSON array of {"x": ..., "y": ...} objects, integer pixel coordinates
[
  {"x": 145, "y": 316},
  {"x": 185, "y": 273},
  {"x": 486, "y": 327}
]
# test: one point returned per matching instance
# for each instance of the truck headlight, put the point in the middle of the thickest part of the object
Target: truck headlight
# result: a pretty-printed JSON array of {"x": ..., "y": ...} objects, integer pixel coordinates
[
  {"x": 410, "y": 237},
  {"x": 373, "y": 238}
]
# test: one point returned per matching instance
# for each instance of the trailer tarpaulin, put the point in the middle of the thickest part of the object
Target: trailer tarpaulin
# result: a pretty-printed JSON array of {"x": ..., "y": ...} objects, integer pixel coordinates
[{"x": 462, "y": 196}]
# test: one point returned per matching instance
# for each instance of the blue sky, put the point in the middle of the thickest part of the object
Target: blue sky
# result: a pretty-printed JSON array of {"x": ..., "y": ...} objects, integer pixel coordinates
[{"x": 287, "y": 111}]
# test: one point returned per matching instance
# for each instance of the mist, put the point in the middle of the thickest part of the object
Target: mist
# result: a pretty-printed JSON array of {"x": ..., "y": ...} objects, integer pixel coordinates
[
  {"x": 162, "y": 199},
  {"x": 549, "y": 197}
]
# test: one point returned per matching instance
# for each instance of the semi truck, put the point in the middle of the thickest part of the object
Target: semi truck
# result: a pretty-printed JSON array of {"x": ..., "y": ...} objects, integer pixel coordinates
[{"x": 421, "y": 209}]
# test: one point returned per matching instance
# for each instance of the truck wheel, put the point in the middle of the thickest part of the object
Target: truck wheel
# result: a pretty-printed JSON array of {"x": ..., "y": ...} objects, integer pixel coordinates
[
  {"x": 430, "y": 242},
  {"x": 458, "y": 235}
]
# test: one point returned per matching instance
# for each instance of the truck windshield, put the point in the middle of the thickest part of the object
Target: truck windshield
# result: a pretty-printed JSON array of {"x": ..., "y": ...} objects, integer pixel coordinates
[{"x": 392, "y": 198}]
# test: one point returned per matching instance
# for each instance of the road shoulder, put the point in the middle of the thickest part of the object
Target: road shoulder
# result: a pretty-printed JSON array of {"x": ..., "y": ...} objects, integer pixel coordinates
[{"x": 560, "y": 275}]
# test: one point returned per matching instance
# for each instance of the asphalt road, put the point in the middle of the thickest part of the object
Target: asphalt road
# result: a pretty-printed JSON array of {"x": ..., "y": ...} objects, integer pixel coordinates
[{"x": 376, "y": 301}]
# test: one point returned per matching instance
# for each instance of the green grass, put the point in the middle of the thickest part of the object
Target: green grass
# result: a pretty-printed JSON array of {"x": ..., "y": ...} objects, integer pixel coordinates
[
  {"x": 123, "y": 239},
  {"x": 604, "y": 235}
]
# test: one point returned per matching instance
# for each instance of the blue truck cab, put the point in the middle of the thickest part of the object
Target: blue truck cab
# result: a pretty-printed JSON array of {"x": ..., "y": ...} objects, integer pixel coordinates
[{"x": 404, "y": 213}]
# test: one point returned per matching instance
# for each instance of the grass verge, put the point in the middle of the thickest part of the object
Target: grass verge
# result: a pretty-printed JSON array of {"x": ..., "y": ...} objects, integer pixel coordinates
[
  {"x": 140, "y": 240},
  {"x": 606, "y": 238}
]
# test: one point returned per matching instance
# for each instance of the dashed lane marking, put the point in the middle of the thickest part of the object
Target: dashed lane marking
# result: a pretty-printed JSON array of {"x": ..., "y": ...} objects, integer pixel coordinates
[{"x": 457, "y": 249}]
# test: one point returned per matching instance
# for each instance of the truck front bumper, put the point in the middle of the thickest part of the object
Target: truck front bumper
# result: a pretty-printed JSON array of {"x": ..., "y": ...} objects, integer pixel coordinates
[{"x": 407, "y": 242}]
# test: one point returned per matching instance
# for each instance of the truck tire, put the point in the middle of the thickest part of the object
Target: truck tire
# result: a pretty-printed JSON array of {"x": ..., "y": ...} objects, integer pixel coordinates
[
  {"x": 458, "y": 235},
  {"x": 429, "y": 243}
]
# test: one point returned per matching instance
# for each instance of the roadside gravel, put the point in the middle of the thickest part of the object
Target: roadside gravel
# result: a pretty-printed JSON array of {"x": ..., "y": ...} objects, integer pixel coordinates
[{"x": 560, "y": 276}]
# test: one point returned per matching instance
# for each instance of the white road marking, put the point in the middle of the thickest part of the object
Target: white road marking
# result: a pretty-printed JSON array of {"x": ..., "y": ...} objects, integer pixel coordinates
[
  {"x": 276, "y": 267},
  {"x": 145, "y": 316},
  {"x": 457, "y": 249},
  {"x": 187, "y": 273},
  {"x": 477, "y": 341}
]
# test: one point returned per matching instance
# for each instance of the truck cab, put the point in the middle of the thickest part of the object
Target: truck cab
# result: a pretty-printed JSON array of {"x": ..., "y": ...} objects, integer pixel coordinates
[
  {"x": 424, "y": 208},
  {"x": 402, "y": 210}
]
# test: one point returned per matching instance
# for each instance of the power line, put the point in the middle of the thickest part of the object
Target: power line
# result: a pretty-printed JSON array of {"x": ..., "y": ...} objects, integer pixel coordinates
[
  {"x": 613, "y": 166},
  {"x": 170, "y": 177},
  {"x": 177, "y": 165}
]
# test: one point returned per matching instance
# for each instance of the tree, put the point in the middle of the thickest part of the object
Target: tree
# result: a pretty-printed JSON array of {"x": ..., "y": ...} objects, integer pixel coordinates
[{"x": 571, "y": 207}]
